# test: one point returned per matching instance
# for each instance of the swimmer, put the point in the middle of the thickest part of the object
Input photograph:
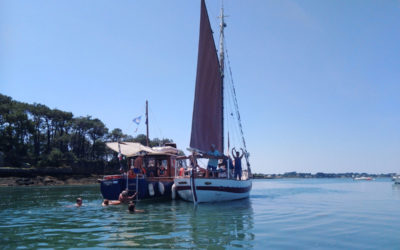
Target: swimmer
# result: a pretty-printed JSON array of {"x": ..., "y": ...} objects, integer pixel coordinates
[
  {"x": 108, "y": 202},
  {"x": 124, "y": 198},
  {"x": 78, "y": 202},
  {"x": 132, "y": 209}
]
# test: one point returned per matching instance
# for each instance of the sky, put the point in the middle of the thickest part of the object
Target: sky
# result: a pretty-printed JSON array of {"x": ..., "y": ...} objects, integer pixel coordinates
[{"x": 317, "y": 82}]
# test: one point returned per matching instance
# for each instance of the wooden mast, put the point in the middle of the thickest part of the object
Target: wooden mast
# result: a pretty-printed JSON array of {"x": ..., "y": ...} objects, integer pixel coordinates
[
  {"x": 147, "y": 123},
  {"x": 221, "y": 65}
]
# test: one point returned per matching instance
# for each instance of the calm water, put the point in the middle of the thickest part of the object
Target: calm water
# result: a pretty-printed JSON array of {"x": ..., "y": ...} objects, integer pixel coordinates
[{"x": 291, "y": 214}]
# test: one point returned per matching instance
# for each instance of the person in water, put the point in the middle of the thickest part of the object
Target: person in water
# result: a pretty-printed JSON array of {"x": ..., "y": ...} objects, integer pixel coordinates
[
  {"x": 78, "y": 202},
  {"x": 107, "y": 202},
  {"x": 238, "y": 163},
  {"x": 132, "y": 208},
  {"x": 125, "y": 198}
]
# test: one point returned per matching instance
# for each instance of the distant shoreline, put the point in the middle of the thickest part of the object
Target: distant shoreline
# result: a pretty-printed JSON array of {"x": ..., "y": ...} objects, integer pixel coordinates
[
  {"x": 49, "y": 176},
  {"x": 320, "y": 175},
  {"x": 66, "y": 176}
]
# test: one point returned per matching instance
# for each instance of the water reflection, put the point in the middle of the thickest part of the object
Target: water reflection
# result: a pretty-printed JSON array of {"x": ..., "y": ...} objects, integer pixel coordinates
[
  {"x": 180, "y": 224},
  {"x": 354, "y": 215},
  {"x": 222, "y": 224},
  {"x": 45, "y": 217},
  {"x": 396, "y": 190}
]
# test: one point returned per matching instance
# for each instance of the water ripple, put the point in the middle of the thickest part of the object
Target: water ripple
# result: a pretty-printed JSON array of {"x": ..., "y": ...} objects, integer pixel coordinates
[{"x": 279, "y": 214}]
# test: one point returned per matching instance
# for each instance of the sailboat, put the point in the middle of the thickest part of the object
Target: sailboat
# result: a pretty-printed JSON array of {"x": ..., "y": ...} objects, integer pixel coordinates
[{"x": 208, "y": 127}]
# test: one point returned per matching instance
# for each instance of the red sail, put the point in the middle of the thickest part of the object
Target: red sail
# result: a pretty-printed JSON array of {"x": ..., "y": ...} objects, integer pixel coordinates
[{"x": 207, "y": 124}]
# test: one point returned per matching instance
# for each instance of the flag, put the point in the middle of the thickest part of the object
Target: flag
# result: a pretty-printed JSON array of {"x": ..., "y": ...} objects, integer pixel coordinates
[{"x": 137, "y": 120}]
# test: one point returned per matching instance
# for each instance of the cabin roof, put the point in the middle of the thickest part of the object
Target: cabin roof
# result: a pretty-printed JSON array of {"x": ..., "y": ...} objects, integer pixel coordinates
[{"x": 130, "y": 149}]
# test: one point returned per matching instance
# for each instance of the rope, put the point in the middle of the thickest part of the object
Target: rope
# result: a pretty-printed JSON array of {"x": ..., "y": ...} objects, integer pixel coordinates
[
  {"x": 236, "y": 105},
  {"x": 156, "y": 123}
]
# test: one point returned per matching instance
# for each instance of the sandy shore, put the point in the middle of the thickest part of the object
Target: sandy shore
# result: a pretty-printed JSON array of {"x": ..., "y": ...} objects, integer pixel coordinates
[{"x": 48, "y": 180}]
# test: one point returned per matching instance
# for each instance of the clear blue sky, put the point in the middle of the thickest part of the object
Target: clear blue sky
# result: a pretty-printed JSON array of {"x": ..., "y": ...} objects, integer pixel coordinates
[{"x": 318, "y": 82}]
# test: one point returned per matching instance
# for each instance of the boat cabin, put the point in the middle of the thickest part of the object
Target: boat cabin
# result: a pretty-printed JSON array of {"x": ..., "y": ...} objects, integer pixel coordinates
[{"x": 150, "y": 171}]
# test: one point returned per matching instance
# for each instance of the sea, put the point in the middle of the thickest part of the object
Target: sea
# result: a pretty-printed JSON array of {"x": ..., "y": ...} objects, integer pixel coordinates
[{"x": 279, "y": 214}]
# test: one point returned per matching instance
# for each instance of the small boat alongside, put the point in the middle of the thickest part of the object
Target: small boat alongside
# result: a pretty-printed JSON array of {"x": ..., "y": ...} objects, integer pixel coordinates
[
  {"x": 150, "y": 172},
  {"x": 152, "y": 179},
  {"x": 208, "y": 185}
]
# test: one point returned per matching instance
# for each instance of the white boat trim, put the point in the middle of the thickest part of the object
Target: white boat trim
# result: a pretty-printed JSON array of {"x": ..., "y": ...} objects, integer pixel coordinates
[{"x": 212, "y": 189}]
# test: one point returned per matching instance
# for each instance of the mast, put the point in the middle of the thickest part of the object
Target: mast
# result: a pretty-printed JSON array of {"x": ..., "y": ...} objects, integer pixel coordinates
[
  {"x": 147, "y": 123},
  {"x": 222, "y": 25}
]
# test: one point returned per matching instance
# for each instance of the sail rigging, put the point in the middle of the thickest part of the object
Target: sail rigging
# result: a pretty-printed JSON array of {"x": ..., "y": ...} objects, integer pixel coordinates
[{"x": 237, "y": 113}]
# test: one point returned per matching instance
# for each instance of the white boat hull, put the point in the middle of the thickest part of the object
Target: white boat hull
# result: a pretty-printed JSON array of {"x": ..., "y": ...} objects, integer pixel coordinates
[
  {"x": 212, "y": 190},
  {"x": 396, "y": 179}
]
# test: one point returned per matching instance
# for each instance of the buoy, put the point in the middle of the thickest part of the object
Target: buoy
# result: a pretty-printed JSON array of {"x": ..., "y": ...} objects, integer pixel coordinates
[
  {"x": 161, "y": 188},
  {"x": 151, "y": 189},
  {"x": 173, "y": 191}
]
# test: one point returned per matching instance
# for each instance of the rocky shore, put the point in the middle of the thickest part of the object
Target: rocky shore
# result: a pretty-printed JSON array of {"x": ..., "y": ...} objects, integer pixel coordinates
[
  {"x": 51, "y": 176},
  {"x": 48, "y": 180}
]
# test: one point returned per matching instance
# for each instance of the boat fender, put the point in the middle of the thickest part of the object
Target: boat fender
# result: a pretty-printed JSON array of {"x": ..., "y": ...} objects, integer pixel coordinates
[
  {"x": 151, "y": 189},
  {"x": 173, "y": 191},
  {"x": 161, "y": 188}
]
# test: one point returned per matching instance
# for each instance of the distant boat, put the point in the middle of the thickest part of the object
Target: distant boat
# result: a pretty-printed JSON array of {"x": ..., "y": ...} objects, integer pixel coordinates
[
  {"x": 208, "y": 126},
  {"x": 396, "y": 179},
  {"x": 363, "y": 178}
]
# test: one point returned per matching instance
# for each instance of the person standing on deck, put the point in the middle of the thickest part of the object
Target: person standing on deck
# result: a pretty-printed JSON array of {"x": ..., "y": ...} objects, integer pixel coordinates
[
  {"x": 213, "y": 162},
  {"x": 238, "y": 163},
  {"x": 138, "y": 165}
]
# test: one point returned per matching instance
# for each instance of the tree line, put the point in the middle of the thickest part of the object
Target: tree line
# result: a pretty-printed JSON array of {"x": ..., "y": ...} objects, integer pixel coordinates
[{"x": 36, "y": 135}]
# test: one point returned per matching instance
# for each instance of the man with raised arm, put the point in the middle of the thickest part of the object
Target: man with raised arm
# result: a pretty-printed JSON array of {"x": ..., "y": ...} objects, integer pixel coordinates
[
  {"x": 238, "y": 163},
  {"x": 124, "y": 198}
]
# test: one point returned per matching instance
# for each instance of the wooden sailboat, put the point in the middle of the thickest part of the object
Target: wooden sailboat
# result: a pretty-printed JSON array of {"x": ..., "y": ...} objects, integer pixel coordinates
[{"x": 208, "y": 126}]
